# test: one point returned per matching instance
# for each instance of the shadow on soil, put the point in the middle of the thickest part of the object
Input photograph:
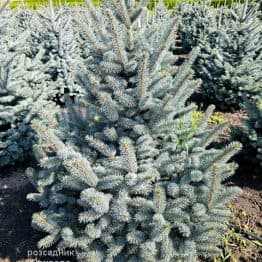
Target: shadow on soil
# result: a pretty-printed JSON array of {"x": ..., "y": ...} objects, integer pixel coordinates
[
  {"x": 17, "y": 237},
  {"x": 16, "y": 233},
  {"x": 247, "y": 175}
]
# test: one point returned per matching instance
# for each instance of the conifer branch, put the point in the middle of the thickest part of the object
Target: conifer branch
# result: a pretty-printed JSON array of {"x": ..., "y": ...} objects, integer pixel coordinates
[
  {"x": 48, "y": 135},
  {"x": 3, "y": 5},
  {"x": 49, "y": 227},
  {"x": 123, "y": 8},
  {"x": 92, "y": 38},
  {"x": 164, "y": 45},
  {"x": 121, "y": 5},
  {"x": 128, "y": 152},
  {"x": 180, "y": 78},
  {"x": 184, "y": 70},
  {"x": 107, "y": 106},
  {"x": 110, "y": 133},
  {"x": 213, "y": 187},
  {"x": 120, "y": 47},
  {"x": 137, "y": 12},
  {"x": 100, "y": 146},
  {"x": 159, "y": 199},
  {"x": 91, "y": 10},
  {"x": 82, "y": 166},
  {"x": 119, "y": 93},
  {"x": 142, "y": 88},
  {"x": 48, "y": 241},
  {"x": 74, "y": 165},
  {"x": 229, "y": 151},
  {"x": 46, "y": 116},
  {"x": 214, "y": 134},
  {"x": 52, "y": 14}
]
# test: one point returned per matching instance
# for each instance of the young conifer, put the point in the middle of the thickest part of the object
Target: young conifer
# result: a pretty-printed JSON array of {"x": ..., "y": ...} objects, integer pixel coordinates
[
  {"x": 21, "y": 85},
  {"x": 196, "y": 22},
  {"x": 231, "y": 62},
  {"x": 13, "y": 140},
  {"x": 126, "y": 176},
  {"x": 55, "y": 38}
]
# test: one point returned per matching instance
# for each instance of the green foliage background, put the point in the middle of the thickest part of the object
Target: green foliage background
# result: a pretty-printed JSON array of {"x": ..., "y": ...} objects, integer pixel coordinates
[{"x": 169, "y": 3}]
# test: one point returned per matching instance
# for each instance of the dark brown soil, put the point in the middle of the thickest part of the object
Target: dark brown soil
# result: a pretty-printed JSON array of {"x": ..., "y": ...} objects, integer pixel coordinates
[
  {"x": 247, "y": 209},
  {"x": 16, "y": 233},
  {"x": 244, "y": 238},
  {"x": 17, "y": 237}
]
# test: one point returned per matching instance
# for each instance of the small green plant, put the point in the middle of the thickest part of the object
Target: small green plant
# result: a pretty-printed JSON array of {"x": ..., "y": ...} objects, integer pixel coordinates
[{"x": 216, "y": 118}]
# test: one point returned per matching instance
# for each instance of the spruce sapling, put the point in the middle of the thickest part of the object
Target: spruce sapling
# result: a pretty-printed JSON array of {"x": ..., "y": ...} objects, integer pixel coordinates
[{"x": 132, "y": 180}]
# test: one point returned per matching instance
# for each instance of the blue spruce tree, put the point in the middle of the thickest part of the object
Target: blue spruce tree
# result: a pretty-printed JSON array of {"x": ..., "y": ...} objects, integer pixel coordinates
[
  {"x": 196, "y": 22},
  {"x": 55, "y": 38},
  {"x": 231, "y": 61},
  {"x": 37, "y": 60},
  {"x": 14, "y": 133},
  {"x": 124, "y": 175}
]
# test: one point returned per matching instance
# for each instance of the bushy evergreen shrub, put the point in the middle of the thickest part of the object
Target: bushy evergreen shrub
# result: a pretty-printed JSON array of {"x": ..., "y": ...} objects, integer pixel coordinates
[
  {"x": 196, "y": 23},
  {"x": 14, "y": 139},
  {"x": 55, "y": 38},
  {"x": 231, "y": 62},
  {"x": 124, "y": 176},
  {"x": 21, "y": 86},
  {"x": 37, "y": 59},
  {"x": 14, "y": 131}
]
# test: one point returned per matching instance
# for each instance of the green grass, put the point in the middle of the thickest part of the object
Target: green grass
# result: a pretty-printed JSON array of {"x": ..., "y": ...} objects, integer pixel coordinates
[{"x": 39, "y": 3}]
